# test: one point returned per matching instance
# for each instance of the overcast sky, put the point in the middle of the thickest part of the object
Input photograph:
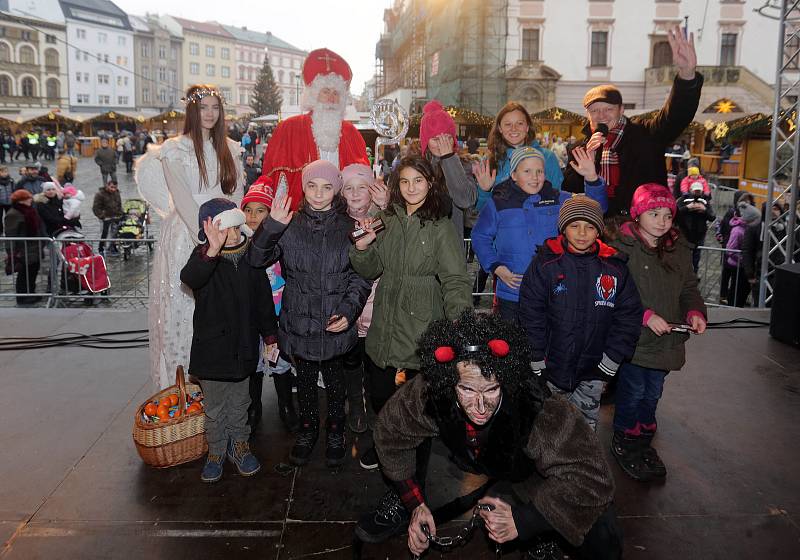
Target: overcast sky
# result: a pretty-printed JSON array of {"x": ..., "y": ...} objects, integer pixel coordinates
[{"x": 350, "y": 27}]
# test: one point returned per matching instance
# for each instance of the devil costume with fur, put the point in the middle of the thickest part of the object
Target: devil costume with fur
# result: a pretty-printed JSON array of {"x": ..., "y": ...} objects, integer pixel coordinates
[{"x": 546, "y": 460}]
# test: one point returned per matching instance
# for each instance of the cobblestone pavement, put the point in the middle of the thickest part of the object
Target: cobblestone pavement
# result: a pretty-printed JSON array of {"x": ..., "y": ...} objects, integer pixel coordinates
[{"x": 129, "y": 279}]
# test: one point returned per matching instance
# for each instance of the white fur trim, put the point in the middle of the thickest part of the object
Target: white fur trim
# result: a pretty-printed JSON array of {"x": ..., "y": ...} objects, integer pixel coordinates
[
  {"x": 232, "y": 218},
  {"x": 334, "y": 81}
]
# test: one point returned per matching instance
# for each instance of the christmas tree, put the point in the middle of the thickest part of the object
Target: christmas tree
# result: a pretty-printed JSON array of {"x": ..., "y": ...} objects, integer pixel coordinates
[{"x": 267, "y": 97}]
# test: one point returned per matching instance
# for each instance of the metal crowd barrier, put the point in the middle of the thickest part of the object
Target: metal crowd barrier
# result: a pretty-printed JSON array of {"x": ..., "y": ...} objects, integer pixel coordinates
[
  {"x": 55, "y": 284},
  {"x": 129, "y": 277},
  {"x": 720, "y": 284}
]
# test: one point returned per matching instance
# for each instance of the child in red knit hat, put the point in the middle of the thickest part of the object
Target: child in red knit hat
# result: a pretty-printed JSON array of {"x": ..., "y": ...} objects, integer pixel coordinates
[{"x": 256, "y": 206}]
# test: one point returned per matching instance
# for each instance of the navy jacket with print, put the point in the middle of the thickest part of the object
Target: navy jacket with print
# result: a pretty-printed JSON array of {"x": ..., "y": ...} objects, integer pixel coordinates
[{"x": 581, "y": 312}]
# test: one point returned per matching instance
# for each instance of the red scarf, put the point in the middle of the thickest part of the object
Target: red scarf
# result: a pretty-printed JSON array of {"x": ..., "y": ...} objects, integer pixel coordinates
[
  {"x": 609, "y": 159},
  {"x": 31, "y": 216}
]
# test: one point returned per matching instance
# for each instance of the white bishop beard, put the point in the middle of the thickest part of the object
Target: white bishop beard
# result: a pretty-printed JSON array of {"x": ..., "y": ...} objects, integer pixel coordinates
[{"x": 326, "y": 125}]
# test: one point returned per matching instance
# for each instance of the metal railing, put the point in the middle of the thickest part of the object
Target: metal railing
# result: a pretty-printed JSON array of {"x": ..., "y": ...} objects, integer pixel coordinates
[
  {"x": 44, "y": 274},
  {"x": 55, "y": 285}
]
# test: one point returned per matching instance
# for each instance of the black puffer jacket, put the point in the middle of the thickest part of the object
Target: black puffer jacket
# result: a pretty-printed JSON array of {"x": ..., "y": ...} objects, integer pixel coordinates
[
  {"x": 233, "y": 309},
  {"x": 320, "y": 282}
]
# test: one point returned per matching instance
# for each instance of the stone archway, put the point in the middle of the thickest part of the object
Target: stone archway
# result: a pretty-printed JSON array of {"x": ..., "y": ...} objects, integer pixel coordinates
[{"x": 533, "y": 85}]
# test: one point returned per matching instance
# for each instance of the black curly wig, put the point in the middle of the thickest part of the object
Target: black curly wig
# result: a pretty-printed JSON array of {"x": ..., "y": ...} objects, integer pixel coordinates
[{"x": 474, "y": 329}]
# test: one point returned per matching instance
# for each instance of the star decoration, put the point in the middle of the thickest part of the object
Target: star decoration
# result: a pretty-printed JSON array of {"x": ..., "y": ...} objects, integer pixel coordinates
[
  {"x": 725, "y": 106},
  {"x": 557, "y": 114}
]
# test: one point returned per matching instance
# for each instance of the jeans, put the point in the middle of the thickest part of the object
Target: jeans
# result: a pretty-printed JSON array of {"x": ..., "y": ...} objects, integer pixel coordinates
[
  {"x": 110, "y": 228},
  {"x": 106, "y": 175},
  {"x": 638, "y": 392},
  {"x": 225, "y": 404},
  {"x": 508, "y": 310}
]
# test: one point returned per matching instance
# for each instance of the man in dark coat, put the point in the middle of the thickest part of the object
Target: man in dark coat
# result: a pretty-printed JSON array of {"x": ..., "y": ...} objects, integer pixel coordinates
[
  {"x": 630, "y": 153},
  {"x": 476, "y": 393},
  {"x": 30, "y": 180}
]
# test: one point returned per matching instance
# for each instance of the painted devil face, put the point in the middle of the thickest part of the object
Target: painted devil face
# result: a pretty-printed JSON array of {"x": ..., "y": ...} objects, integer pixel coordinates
[{"x": 478, "y": 396}]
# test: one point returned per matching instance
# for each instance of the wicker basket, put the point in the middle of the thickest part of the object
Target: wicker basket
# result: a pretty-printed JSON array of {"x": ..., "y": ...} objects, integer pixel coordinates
[{"x": 175, "y": 441}]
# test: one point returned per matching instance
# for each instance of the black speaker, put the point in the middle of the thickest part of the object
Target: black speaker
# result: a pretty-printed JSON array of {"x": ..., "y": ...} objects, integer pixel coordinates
[{"x": 784, "y": 322}]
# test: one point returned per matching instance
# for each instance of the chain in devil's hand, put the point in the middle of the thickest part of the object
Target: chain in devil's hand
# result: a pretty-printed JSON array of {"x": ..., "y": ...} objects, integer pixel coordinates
[{"x": 463, "y": 536}]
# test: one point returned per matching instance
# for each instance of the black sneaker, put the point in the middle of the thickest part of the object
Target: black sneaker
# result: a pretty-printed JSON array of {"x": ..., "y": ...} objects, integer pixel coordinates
[
  {"x": 627, "y": 452},
  {"x": 369, "y": 459},
  {"x": 335, "y": 446},
  {"x": 303, "y": 445},
  {"x": 390, "y": 519}
]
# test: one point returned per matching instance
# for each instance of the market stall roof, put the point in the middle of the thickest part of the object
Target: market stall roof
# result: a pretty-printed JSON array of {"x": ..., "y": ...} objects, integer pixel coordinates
[
  {"x": 743, "y": 125},
  {"x": 640, "y": 117},
  {"x": 460, "y": 115},
  {"x": 171, "y": 114},
  {"x": 45, "y": 116},
  {"x": 559, "y": 114},
  {"x": 138, "y": 116},
  {"x": 266, "y": 118}
]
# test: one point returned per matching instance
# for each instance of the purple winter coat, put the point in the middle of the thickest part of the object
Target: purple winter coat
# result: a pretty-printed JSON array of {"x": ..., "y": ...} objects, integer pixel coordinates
[{"x": 738, "y": 225}]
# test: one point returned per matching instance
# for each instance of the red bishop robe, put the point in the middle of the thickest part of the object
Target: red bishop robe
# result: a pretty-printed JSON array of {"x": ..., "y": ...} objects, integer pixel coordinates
[{"x": 292, "y": 147}]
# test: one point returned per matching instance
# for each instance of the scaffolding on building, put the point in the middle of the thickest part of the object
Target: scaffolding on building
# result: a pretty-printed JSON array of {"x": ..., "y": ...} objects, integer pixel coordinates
[
  {"x": 484, "y": 31},
  {"x": 784, "y": 161}
]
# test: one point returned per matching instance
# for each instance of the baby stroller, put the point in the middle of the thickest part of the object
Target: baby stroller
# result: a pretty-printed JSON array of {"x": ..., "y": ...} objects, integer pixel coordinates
[
  {"x": 83, "y": 271},
  {"x": 133, "y": 226}
]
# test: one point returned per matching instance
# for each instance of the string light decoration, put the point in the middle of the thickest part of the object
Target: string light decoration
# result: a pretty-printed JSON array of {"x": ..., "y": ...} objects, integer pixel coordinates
[
  {"x": 744, "y": 126},
  {"x": 721, "y": 130},
  {"x": 460, "y": 115},
  {"x": 559, "y": 114}
]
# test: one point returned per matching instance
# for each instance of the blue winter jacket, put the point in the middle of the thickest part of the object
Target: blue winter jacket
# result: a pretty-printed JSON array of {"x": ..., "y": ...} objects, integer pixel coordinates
[
  {"x": 513, "y": 223},
  {"x": 581, "y": 312},
  {"x": 552, "y": 172}
]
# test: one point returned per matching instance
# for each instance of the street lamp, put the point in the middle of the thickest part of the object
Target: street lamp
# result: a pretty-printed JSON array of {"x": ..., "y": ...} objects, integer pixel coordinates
[{"x": 297, "y": 94}]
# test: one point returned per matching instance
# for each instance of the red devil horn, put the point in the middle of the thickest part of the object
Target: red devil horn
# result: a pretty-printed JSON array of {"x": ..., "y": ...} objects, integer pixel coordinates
[
  {"x": 499, "y": 348},
  {"x": 444, "y": 354}
]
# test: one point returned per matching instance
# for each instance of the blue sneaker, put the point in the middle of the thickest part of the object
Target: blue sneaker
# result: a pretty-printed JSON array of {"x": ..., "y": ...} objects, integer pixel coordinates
[
  {"x": 240, "y": 455},
  {"x": 212, "y": 470}
]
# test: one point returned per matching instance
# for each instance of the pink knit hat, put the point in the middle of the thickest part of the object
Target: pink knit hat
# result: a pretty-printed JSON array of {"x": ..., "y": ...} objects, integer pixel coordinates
[
  {"x": 649, "y": 196},
  {"x": 358, "y": 171},
  {"x": 435, "y": 121},
  {"x": 323, "y": 169}
]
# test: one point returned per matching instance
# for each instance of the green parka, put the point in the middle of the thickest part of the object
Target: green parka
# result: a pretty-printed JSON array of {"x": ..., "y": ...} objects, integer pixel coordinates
[
  {"x": 423, "y": 278},
  {"x": 669, "y": 289}
]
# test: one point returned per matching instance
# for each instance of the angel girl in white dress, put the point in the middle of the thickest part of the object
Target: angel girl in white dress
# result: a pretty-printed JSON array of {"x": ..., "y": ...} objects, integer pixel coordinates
[{"x": 176, "y": 178}]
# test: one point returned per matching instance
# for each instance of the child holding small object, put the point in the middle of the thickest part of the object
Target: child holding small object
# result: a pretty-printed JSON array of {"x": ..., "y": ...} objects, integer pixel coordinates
[
  {"x": 322, "y": 300},
  {"x": 660, "y": 263},
  {"x": 233, "y": 311}
]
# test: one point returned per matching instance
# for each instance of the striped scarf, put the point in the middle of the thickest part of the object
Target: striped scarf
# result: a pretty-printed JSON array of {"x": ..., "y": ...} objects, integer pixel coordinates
[
  {"x": 233, "y": 254},
  {"x": 609, "y": 159}
]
